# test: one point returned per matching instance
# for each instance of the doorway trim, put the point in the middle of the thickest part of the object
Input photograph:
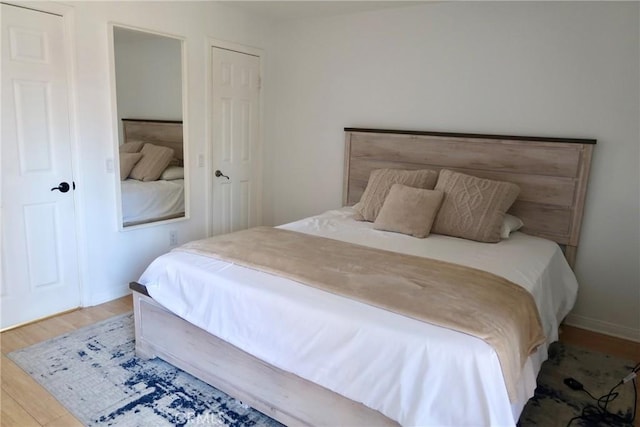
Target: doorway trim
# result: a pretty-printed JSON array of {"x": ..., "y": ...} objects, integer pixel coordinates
[{"x": 209, "y": 152}]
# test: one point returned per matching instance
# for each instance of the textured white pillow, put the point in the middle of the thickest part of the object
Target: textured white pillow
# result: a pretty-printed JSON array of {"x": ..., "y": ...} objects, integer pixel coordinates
[{"x": 510, "y": 224}]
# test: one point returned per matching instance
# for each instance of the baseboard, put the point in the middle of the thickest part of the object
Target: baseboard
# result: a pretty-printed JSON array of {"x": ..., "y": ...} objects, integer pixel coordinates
[
  {"x": 106, "y": 296},
  {"x": 602, "y": 327}
]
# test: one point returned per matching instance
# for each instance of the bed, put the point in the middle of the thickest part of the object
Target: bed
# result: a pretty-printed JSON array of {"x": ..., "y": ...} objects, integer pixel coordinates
[
  {"x": 163, "y": 198},
  {"x": 464, "y": 371}
]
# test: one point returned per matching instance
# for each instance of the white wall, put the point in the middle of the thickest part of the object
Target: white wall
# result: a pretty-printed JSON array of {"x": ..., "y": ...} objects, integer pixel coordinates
[
  {"x": 112, "y": 258},
  {"x": 549, "y": 69},
  {"x": 561, "y": 69}
]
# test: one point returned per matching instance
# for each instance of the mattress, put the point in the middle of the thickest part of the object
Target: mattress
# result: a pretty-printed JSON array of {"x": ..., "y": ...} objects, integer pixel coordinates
[
  {"x": 412, "y": 372},
  {"x": 151, "y": 200}
]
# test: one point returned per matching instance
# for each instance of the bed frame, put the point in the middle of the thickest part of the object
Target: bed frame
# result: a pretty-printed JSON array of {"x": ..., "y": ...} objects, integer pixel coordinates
[{"x": 551, "y": 172}]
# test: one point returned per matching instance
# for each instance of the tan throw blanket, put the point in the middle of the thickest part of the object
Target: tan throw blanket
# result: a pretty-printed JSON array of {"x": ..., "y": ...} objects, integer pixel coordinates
[{"x": 464, "y": 299}]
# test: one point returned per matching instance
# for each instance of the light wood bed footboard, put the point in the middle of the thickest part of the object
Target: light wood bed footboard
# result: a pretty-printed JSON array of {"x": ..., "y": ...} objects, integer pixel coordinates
[{"x": 279, "y": 394}]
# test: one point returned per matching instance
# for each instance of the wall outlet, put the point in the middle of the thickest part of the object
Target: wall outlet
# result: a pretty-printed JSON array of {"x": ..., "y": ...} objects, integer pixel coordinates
[
  {"x": 109, "y": 165},
  {"x": 200, "y": 160},
  {"x": 173, "y": 238}
]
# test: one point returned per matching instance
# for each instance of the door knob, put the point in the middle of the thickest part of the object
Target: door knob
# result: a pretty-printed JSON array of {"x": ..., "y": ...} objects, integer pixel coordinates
[
  {"x": 63, "y": 187},
  {"x": 219, "y": 174}
]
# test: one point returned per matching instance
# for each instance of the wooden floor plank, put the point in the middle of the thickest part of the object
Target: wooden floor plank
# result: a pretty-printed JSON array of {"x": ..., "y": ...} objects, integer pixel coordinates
[
  {"x": 614, "y": 346},
  {"x": 30, "y": 395},
  {"x": 14, "y": 415},
  {"x": 54, "y": 327},
  {"x": 66, "y": 420},
  {"x": 12, "y": 340},
  {"x": 30, "y": 334},
  {"x": 81, "y": 318},
  {"x": 88, "y": 316}
]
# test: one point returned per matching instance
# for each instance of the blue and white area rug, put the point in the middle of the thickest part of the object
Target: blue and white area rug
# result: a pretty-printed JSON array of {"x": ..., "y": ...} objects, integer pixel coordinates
[{"x": 95, "y": 374}]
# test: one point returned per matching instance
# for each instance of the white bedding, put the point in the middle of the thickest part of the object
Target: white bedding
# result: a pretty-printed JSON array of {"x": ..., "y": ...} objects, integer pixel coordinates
[
  {"x": 411, "y": 371},
  {"x": 150, "y": 200}
]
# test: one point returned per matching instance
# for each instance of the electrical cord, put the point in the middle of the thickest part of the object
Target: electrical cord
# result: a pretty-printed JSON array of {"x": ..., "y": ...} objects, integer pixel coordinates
[{"x": 599, "y": 414}]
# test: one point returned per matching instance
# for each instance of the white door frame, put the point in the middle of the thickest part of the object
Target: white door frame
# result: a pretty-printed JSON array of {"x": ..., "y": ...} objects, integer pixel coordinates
[
  {"x": 68, "y": 21},
  {"x": 209, "y": 151}
]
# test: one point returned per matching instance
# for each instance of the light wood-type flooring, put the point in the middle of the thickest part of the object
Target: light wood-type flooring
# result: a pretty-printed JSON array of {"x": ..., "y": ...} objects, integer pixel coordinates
[{"x": 25, "y": 403}]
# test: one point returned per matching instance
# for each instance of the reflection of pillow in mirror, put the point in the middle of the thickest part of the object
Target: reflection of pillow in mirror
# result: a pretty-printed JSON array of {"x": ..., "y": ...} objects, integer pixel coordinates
[
  {"x": 155, "y": 160},
  {"x": 127, "y": 162},
  {"x": 172, "y": 172},
  {"x": 131, "y": 147}
]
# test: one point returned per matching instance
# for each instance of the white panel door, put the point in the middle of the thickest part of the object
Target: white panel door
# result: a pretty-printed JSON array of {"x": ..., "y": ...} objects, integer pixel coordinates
[
  {"x": 39, "y": 252},
  {"x": 236, "y": 150}
]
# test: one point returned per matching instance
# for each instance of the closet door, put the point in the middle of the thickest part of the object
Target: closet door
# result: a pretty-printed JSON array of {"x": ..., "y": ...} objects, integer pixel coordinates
[
  {"x": 236, "y": 148},
  {"x": 39, "y": 252}
]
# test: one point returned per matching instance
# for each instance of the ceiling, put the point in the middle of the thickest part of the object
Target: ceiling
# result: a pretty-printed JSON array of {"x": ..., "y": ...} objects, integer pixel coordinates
[{"x": 288, "y": 10}]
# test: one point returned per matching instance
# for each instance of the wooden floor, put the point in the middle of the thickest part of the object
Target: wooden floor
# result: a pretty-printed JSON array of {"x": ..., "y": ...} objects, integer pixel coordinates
[{"x": 25, "y": 403}]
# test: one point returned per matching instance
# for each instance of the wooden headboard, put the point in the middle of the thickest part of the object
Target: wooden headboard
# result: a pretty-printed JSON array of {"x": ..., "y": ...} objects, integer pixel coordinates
[
  {"x": 552, "y": 172},
  {"x": 166, "y": 133}
]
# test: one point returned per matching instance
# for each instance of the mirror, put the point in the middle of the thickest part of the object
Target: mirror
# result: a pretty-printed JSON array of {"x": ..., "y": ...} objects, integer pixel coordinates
[{"x": 149, "y": 87}]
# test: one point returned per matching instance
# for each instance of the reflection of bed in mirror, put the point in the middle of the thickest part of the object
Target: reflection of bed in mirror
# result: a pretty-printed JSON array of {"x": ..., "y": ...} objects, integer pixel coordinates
[{"x": 152, "y": 171}]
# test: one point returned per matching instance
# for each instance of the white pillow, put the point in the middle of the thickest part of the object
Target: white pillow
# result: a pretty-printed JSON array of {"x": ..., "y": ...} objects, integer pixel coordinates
[
  {"x": 510, "y": 224},
  {"x": 172, "y": 172}
]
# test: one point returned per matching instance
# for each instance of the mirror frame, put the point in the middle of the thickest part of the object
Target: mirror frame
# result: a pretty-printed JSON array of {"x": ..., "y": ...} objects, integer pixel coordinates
[{"x": 116, "y": 126}]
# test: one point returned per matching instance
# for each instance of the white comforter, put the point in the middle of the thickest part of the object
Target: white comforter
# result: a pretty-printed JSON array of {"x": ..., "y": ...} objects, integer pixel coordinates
[{"x": 413, "y": 372}]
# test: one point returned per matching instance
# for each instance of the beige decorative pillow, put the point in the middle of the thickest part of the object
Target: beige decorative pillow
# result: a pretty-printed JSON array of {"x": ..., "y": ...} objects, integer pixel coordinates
[
  {"x": 473, "y": 208},
  {"x": 127, "y": 162},
  {"x": 379, "y": 184},
  {"x": 131, "y": 147},
  {"x": 155, "y": 160},
  {"x": 409, "y": 210}
]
